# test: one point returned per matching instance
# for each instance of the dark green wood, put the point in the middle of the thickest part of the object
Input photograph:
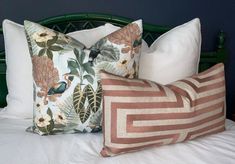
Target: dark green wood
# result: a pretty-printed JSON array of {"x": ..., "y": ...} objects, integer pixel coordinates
[{"x": 72, "y": 22}]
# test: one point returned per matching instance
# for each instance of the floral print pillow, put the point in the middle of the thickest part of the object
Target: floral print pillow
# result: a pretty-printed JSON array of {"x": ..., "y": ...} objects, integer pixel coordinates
[{"x": 68, "y": 93}]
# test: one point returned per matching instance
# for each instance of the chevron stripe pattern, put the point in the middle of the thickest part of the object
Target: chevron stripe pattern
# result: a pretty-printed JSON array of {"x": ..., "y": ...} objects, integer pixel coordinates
[{"x": 140, "y": 113}]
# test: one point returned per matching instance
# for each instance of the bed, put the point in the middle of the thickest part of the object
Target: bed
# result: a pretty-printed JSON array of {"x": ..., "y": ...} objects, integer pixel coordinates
[{"x": 18, "y": 146}]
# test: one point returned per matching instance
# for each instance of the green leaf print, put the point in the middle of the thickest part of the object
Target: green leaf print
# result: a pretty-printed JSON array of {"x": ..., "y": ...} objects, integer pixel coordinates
[
  {"x": 49, "y": 54},
  {"x": 78, "y": 67},
  {"x": 55, "y": 48},
  {"x": 41, "y": 44},
  {"x": 77, "y": 54},
  {"x": 94, "y": 98},
  {"x": 48, "y": 47},
  {"x": 82, "y": 57},
  {"x": 88, "y": 68},
  {"x": 89, "y": 78},
  {"x": 109, "y": 53},
  {"x": 72, "y": 65},
  {"x": 84, "y": 114},
  {"x": 42, "y": 52},
  {"x": 49, "y": 112},
  {"x": 51, "y": 126},
  {"x": 106, "y": 52},
  {"x": 79, "y": 98},
  {"x": 44, "y": 130},
  {"x": 61, "y": 42}
]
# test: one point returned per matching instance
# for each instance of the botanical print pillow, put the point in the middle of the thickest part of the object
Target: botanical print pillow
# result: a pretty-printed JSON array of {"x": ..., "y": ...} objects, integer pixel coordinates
[
  {"x": 140, "y": 113},
  {"x": 68, "y": 93}
]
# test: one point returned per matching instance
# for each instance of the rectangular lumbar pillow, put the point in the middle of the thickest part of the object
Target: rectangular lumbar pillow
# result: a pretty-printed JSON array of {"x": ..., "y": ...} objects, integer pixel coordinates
[
  {"x": 68, "y": 93},
  {"x": 141, "y": 113}
]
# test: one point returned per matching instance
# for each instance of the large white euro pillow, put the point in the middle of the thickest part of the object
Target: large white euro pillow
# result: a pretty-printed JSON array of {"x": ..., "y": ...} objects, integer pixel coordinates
[
  {"x": 174, "y": 55},
  {"x": 19, "y": 71}
]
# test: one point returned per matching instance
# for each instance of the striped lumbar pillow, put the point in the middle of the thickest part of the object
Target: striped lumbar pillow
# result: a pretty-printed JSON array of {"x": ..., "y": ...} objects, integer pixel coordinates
[{"x": 141, "y": 113}]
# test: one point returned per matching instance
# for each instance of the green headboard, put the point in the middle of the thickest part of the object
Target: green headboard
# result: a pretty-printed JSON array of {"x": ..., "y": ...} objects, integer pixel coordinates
[{"x": 79, "y": 21}]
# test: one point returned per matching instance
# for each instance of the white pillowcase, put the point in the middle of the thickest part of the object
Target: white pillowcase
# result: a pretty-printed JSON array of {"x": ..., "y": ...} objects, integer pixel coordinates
[
  {"x": 19, "y": 66},
  {"x": 90, "y": 36},
  {"x": 19, "y": 71},
  {"x": 174, "y": 55}
]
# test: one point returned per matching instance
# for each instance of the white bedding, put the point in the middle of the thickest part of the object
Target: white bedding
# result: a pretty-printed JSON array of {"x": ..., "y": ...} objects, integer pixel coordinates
[{"x": 20, "y": 147}]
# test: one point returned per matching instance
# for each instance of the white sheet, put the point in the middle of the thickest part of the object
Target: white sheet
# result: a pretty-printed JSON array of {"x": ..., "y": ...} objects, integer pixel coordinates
[{"x": 20, "y": 147}]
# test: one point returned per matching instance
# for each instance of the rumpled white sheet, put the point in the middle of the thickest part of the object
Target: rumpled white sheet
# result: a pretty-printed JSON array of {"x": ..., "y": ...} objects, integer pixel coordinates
[{"x": 20, "y": 147}]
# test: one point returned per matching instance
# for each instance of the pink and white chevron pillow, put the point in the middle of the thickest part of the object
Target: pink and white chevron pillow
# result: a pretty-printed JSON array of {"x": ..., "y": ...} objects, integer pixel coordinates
[{"x": 141, "y": 113}]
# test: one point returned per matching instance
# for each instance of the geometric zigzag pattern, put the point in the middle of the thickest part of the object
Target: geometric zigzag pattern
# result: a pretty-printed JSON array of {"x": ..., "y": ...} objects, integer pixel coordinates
[{"x": 140, "y": 113}]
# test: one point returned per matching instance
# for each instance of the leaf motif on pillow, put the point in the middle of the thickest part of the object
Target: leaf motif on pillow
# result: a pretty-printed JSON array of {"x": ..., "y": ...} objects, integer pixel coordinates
[
  {"x": 81, "y": 69},
  {"x": 130, "y": 36},
  {"x": 46, "y": 40},
  {"x": 108, "y": 53},
  {"x": 84, "y": 114},
  {"x": 79, "y": 98},
  {"x": 88, "y": 68},
  {"x": 103, "y": 52},
  {"x": 67, "y": 108},
  {"x": 94, "y": 97}
]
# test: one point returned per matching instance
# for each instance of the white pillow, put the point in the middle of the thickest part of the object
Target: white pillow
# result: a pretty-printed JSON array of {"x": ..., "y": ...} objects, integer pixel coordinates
[
  {"x": 174, "y": 55},
  {"x": 19, "y": 66},
  {"x": 91, "y": 36},
  {"x": 19, "y": 71}
]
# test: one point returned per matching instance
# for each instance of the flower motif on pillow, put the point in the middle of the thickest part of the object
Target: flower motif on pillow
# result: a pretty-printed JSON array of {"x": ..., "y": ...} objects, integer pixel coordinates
[
  {"x": 68, "y": 92},
  {"x": 44, "y": 36}
]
